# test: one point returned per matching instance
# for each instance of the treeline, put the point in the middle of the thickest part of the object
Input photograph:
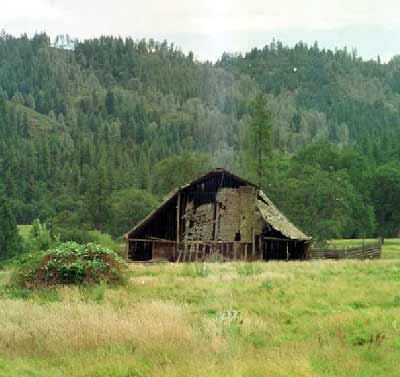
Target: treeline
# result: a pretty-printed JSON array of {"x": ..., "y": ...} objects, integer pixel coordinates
[{"x": 94, "y": 136}]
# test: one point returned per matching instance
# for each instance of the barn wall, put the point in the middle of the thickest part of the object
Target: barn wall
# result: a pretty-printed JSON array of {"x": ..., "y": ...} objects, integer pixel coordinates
[
  {"x": 233, "y": 213},
  {"x": 199, "y": 222}
]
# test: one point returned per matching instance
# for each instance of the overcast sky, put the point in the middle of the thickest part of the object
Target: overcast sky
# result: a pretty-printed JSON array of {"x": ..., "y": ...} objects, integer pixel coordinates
[{"x": 210, "y": 27}]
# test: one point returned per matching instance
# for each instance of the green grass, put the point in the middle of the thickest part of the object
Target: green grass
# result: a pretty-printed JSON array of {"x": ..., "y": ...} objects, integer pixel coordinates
[
  {"x": 24, "y": 230},
  {"x": 296, "y": 319}
]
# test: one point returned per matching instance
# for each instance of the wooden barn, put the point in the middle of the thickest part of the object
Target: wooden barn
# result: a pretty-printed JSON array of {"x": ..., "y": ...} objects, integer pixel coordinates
[{"x": 218, "y": 216}]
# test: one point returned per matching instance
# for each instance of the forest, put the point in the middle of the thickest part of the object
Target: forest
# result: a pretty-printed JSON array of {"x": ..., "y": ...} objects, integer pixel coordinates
[{"x": 94, "y": 133}]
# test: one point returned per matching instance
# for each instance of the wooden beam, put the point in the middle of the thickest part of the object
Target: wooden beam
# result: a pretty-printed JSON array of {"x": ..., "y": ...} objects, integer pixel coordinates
[
  {"x": 253, "y": 250},
  {"x": 278, "y": 239},
  {"x": 150, "y": 240},
  {"x": 178, "y": 217}
]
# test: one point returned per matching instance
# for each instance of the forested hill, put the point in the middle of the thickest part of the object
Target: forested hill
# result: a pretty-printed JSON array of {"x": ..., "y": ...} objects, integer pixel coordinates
[{"x": 95, "y": 135}]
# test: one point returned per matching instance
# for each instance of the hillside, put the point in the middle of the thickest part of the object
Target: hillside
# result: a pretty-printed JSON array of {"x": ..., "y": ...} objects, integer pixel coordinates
[{"x": 94, "y": 136}]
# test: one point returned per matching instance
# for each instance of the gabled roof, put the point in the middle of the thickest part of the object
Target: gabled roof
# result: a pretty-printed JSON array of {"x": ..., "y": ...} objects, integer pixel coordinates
[
  {"x": 267, "y": 209},
  {"x": 175, "y": 192}
]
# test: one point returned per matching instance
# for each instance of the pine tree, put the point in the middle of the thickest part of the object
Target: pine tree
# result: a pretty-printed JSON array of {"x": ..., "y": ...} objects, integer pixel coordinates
[
  {"x": 10, "y": 241},
  {"x": 259, "y": 143}
]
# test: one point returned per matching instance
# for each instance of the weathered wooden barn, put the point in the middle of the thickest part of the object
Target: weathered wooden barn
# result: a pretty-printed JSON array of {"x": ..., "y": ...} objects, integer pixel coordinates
[{"x": 217, "y": 216}]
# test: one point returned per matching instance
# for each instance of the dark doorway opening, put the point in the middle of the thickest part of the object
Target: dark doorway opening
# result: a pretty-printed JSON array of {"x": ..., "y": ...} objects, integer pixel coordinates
[
  {"x": 283, "y": 249},
  {"x": 141, "y": 251}
]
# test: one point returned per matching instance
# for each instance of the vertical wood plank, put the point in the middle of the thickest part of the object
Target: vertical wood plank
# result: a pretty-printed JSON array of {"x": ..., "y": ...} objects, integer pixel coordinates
[
  {"x": 178, "y": 215},
  {"x": 253, "y": 250}
]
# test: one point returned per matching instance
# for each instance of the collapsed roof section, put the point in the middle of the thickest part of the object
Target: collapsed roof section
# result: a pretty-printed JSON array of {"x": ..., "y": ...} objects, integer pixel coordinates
[{"x": 277, "y": 220}]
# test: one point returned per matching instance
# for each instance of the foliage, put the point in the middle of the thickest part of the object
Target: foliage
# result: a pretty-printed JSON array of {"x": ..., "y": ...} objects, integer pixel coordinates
[
  {"x": 40, "y": 237},
  {"x": 10, "y": 240},
  {"x": 175, "y": 171},
  {"x": 258, "y": 140},
  {"x": 386, "y": 197},
  {"x": 70, "y": 263},
  {"x": 128, "y": 207},
  {"x": 114, "y": 115}
]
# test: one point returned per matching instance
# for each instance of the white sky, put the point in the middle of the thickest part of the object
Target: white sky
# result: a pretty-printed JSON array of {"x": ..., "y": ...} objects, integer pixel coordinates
[{"x": 211, "y": 27}]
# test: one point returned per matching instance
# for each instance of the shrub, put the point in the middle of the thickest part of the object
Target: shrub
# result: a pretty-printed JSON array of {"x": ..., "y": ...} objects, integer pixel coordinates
[
  {"x": 71, "y": 263},
  {"x": 83, "y": 236}
]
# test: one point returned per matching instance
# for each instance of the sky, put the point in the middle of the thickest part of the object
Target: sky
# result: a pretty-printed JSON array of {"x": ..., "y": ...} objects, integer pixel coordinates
[{"x": 210, "y": 27}]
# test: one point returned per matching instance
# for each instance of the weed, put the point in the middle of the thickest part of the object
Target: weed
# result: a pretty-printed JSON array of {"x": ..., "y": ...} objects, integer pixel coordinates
[
  {"x": 248, "y": 269},
  {"x": 267, "y": 284},
  {"x": 195, "y": 270}
]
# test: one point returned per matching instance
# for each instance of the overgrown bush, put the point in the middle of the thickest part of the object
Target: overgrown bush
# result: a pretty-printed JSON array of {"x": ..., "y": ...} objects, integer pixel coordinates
[{"x": 71, "y": 263}]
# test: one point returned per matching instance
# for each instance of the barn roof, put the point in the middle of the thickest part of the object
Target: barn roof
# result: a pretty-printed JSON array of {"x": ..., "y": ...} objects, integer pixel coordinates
[
  {"x": 277, "y": 219},
  {"x": 267, "y": 209}
]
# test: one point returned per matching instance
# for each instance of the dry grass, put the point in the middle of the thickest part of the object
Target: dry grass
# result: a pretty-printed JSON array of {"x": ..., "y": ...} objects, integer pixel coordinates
[
  {"x": 28, "y": 328},
  {"x": 273, "y": 319}
]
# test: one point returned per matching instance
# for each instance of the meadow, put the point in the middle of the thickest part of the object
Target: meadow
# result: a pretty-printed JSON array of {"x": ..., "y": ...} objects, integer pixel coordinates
[{"x": 322, "y": 318}]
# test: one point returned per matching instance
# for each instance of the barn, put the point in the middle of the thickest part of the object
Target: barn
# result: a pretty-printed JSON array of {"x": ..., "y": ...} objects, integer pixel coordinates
[{"x": 218, "y": 216}]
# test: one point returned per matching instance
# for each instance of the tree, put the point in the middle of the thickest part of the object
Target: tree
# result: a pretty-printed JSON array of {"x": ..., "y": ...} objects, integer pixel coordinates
[
  {"x": 127, "y": 208},
  {"x": 386, "y": 198},
  {"x": 174, "y": 171},
  {"x": 10, "y": 240},
  {"x": 258, "y": 141},
  {"x": 97, "y": 196}
]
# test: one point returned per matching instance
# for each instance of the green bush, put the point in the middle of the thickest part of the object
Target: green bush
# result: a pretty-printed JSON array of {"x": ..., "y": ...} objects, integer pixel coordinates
[
  {"x": 70, "y": 263},
  {"x": 83, "y": 236}
]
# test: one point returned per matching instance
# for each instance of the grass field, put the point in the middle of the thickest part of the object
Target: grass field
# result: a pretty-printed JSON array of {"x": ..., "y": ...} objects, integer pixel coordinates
[{"x": 322, "y": 318}]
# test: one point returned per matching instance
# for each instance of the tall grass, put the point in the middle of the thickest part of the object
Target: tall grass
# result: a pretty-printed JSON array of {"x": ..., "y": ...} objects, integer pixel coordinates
[{"x": 273, "y": 319}]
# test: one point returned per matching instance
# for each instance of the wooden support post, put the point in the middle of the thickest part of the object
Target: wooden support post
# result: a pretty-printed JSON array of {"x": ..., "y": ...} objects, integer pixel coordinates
[
  {"x": 245, "y": 252},
  {"x": 178, "y": 217},
  {"x": 186, "y": 238},
  {"x": 253, "y": 250},
  {"x": 287, "y": 250}
]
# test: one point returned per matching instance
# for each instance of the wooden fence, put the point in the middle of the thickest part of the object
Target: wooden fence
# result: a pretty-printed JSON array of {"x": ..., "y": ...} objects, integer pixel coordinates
[{"x": 370, "y": 251}]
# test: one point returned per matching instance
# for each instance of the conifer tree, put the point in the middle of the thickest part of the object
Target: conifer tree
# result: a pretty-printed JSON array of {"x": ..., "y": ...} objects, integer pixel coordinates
[
  {"x": 10, "y": 241},
  {"x": 259, "y": 143}
]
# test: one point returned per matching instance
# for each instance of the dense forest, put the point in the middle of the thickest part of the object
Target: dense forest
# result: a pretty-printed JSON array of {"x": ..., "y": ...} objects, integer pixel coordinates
[{"x": 92, "y": 136}]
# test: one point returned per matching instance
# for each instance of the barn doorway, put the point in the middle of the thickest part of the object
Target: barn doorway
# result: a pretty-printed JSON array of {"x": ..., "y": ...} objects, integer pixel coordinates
[
  {"x": 141, "y": 251},
  {"x": 283, "y": 249}
]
